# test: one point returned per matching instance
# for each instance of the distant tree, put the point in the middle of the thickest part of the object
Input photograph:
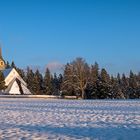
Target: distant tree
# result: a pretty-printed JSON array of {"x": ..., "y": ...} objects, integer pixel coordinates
[
  {"x": 13, "y": 65},
  {"x": 8, "y": 65},
  {"x": 81, "y": 80},
  {"x": 68, "y": 85},
  {"x": 132, "y": 80},
  {"x": 104, "y": 86},
  {"x": 30, "y": 80},
  {"x": 125, "y": 86},
  {"x": 138, "y": 81},
  {"x": 94, "y": 81},
  {"x": 2, "y": 81},
  {"x": 138, "y": 78},
  {"x": 55, "y": 85},
  {"x": 105, "y": 76},
  {"x": 119, "y": 79},
  {"x": 48, "y": 82},
  {"x": 60, "y": 80},
  {"x": 116, "y": 88},
  {"x": 81, "y": 73},
  {"x": 38, "y": 82},
  {"x": 133, "y": 86}
]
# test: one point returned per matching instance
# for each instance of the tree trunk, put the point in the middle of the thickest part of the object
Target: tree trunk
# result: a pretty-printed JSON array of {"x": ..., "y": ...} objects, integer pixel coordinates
[{"x": 83, "y": 94}]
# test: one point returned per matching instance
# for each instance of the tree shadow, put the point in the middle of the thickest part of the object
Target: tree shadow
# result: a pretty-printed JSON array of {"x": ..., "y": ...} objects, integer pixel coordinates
[{"x": 101, "y": 133}]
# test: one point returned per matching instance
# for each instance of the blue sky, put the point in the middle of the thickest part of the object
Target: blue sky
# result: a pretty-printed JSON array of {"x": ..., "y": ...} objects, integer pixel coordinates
[{"x": 52, "y": 32}]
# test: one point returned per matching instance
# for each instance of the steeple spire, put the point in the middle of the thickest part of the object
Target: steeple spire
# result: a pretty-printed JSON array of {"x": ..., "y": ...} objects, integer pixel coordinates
[
  {"x": 2, "y": 62},
  {"x": 0, "y": 52}
]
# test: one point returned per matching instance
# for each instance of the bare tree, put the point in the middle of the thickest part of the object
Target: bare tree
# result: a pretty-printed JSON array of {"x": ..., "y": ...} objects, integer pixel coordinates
[
  {"x": 81, "y": 73},
  {"x": 76, "y": 77}
]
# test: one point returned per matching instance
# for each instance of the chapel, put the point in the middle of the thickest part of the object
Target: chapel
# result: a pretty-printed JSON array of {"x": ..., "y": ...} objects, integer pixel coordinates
[{"x": 13, "y": 81}]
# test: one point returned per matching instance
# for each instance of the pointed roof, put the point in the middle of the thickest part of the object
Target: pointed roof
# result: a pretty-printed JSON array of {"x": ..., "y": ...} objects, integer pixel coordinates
[
  {"x": 10, "y": 86},
  {"x": 15, "y": 84},
  {"x": 6, "y": 72}
]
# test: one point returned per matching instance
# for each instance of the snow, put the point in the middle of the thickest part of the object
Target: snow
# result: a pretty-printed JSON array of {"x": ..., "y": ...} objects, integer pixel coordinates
[{"x": 42, "y": 119}]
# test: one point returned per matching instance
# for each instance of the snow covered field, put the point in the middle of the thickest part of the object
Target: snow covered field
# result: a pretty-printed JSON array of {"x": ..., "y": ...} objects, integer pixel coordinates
[{"x": 42, "y": 119}]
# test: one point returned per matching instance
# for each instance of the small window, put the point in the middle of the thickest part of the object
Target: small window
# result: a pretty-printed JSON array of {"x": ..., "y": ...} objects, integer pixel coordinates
[{"x": 1, "y": 63}]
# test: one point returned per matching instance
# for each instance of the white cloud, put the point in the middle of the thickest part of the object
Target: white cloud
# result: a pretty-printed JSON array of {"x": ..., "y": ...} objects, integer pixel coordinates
[{"x": 55, "y": 66}]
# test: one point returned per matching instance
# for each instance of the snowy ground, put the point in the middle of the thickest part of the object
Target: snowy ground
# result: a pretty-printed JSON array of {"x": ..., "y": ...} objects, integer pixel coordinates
[{"x": 42, "y": 119}]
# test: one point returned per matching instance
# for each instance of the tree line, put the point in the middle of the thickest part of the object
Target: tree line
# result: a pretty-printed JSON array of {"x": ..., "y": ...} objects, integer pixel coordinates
[{"x": 81, "y": 80}]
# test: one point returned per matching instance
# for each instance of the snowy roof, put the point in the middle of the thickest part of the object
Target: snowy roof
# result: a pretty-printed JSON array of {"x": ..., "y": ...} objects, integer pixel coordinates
[{"x": 6, "y": 72}]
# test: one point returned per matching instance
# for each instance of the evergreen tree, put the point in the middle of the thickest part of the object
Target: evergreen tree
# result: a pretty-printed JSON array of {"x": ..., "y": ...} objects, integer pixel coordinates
[
  {"x": 2, "y": 82},
  {"x": 8, "y": 65},
  {"x": 119, "y": 79},
  {"x": 116, "y": 88},
  {"x": 104, "y": 85},
  {"x": 60, "y": 80},
  {"x": 13, "y": 65},
  {"x": 133, "y": 86},
  {"x": 83, "y": 81},
  {"x": 138, "y": 82},
  {"x": 48, "y": 82},
  {"x": 125, "y": 86},
  {"x": 105, "y": 76},
  {"x": 94, "y": 81},
  {"x": 68, "y": 81},
  {"x": 30, "y": 80},
  {"x": 38, "y": 83},
  {"x": 55, "y": 85}
]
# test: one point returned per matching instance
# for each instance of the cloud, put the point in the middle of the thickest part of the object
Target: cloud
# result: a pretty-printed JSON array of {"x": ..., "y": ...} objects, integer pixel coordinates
[{"x": 55, "y": 67}]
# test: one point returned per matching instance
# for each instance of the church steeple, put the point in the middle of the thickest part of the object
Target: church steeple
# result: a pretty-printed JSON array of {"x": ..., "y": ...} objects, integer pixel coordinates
[
  {"x": 0, "y": 53},
  {"x": 2, "y": 62}
]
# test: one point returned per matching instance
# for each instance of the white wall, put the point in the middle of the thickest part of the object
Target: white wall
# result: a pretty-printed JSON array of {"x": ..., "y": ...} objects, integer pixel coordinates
[{"x": 14, "y": 89}]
